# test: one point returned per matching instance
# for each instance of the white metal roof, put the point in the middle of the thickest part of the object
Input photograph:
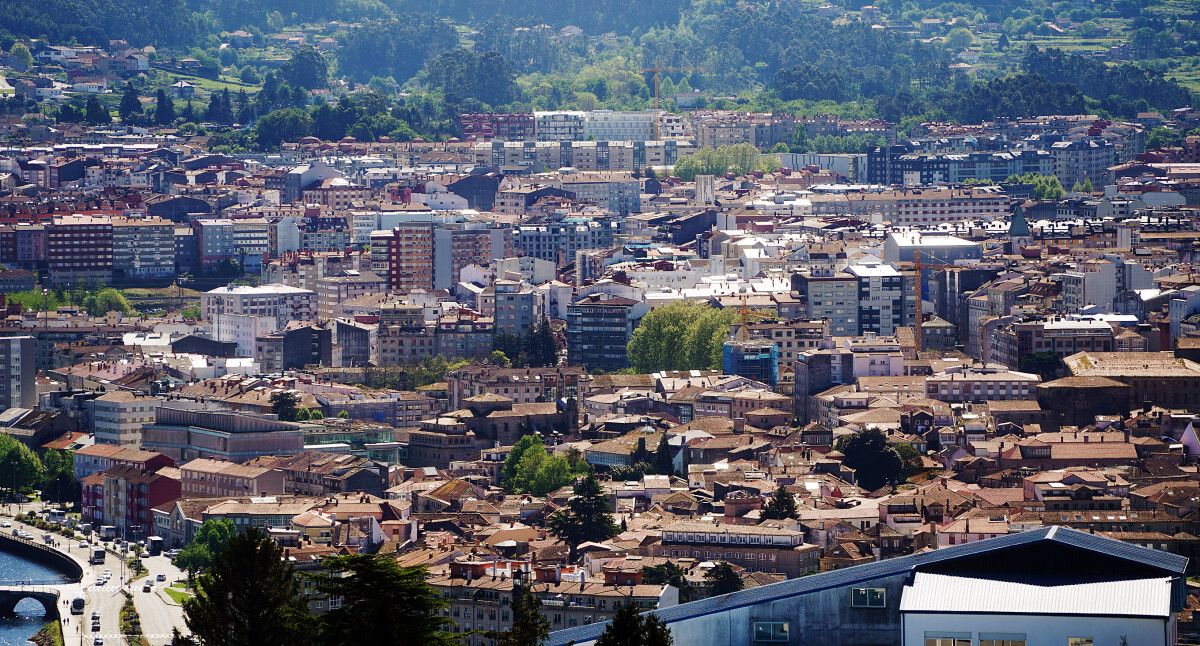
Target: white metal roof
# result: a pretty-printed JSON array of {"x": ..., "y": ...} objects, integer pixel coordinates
[{"x": 1128, "y": 598}]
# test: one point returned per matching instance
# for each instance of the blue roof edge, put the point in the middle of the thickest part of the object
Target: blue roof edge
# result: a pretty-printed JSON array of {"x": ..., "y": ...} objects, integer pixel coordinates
[{"x": 1172, "y": 563}]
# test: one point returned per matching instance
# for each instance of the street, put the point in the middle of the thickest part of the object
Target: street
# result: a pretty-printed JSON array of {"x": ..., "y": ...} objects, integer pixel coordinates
[{"x": 159, "y": 616}]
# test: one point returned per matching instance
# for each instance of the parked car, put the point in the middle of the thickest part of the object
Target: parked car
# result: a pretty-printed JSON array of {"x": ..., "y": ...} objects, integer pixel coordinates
[{"x": 7, "y": 523}]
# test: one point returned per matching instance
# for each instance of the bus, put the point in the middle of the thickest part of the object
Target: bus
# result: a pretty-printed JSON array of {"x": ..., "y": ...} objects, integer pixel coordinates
[
  {"x": 77, "y": 606},
  {"x": 97, "y": 555}
]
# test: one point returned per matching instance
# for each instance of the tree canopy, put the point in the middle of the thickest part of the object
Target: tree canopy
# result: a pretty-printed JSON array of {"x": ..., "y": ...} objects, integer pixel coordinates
[
  {"x": 381, "y": 603},
  {"x": 875, "y": 462},
  {"x": 629, "y": 627},
  {"x": 586, "y": 516},
  {"x": 249, "y": 596},
  {"x": 684, "y": 335},
  {"x": 209, "y": 542}
]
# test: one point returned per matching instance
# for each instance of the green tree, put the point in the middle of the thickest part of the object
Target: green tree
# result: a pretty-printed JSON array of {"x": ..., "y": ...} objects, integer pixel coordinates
[
  {"x": 722, "y": 579},
  {"x": 1160, "y": 137},
  {"x": 876, "y": 462},
  {"x": 1045, "y": 187},
  {"x": 278, "y": 126},
  {"x": 959, "y": 39},
  {"x": 190, "y": 313},
  {"x": 95, "y": 113},
  {"x": 58, "y": 482},
  {"x": 164, "y": 108},
  {"x": 685, "y": 335},
  {"x": 20, "y": 468},
  {"x": 382, "y": 603},
  {"x": 498, "y": 358},
  {"x": 285, "y": 404},
  {"x": 105, "y": 301},
  {"x": 306, "y": 68},
  {"x": 22, "y": 58},
  {"x": 553, "y": 473},
  {"x": 525, "y": 444},
  {"x": 1046, "y": 364},
  {"x": 585, "y": 518},
  {"x": 781, "y": 505},
  {"x": 209, "y": 542},
  {"x": 662, "y": 457},
  {"x": 250, "y": 596},
  {"x": 130, "y": 109},
  {"x": 529, "y": 627},
  {"x": 631, "y": 628},
  {"x": 669, "y": 574}
]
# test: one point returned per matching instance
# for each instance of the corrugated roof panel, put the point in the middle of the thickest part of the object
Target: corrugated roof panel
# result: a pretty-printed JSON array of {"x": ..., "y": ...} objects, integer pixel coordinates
[{"x": 953, "y": 594}]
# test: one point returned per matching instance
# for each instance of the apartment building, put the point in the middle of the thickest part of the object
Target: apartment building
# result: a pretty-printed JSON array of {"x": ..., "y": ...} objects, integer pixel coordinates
[
  {"x": 18, "y": 372},
  {"x": 881, "y": 302},
  {"x": 616, "y": 125},
  {"x": 1083, "y": 160},
  {"x": 79, "y": 250},
  {"x": 130, "y": 496},
  {"x": 518, "y": 307},
  {"x": 410, "y": 256},
  {"x": 558, "y": 241},
  {"x": 404, "y": 337},
  {"x": 560, "y": 125},
  {"x": 348, "y": 284},
  {"x": 143, "y": 249},
  {"x": 119, "y": 416},
  {"x": 830, "y": 296},
  {"x": 97, "y": 458},
  {"x": 518, "y": 126},
  {"x": 205, "y": 478},
  {"x": 599, "y": 327},
  {"x": 757, "y": 548},
  {"x": 242, "y": 313},
  {"x": 618, "y": 192}
]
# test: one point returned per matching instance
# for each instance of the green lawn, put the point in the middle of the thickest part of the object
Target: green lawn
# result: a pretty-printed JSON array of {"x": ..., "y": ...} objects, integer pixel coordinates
[
  {"x": 178, "y": 592},
  {"x": 211, "y": 85}
]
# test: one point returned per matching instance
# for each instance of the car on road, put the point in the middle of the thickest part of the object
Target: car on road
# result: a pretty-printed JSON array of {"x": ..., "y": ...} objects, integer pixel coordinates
[
  {"x": 147, "y": 586},
  {"x": 95, "y": 616},
  {"x": 171, "y": 553},
  {"x": 100, "y": 581},
  {"x": 6, "y": 524},
  {"x": 99, "y": 641},
  {"x": 83, "y": 545},
  {"x": 161, "y": 577},
  {"x": 96, "y": 626}
]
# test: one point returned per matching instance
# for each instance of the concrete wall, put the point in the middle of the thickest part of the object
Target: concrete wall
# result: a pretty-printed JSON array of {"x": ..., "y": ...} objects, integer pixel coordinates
[{"x": 42, "y": 555}]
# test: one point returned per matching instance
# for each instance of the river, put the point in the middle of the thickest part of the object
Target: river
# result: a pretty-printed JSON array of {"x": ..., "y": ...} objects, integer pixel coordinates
[{"x": 15, "y": 631}]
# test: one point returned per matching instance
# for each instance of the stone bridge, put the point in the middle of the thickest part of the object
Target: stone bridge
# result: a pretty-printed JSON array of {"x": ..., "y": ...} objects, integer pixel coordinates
[{"x": 11, "y": 595}]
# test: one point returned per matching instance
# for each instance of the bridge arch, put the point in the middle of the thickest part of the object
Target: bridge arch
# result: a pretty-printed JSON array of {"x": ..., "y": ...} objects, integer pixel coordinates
[{"x": 10, "y": 598}]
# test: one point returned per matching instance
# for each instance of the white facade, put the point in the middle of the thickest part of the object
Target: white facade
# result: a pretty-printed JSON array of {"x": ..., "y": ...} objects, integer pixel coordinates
[{"x": 237, "y": 311}]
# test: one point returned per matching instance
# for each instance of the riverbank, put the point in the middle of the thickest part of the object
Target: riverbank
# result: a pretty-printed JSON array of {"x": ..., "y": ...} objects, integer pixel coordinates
[{"x": 49, "y": 635}]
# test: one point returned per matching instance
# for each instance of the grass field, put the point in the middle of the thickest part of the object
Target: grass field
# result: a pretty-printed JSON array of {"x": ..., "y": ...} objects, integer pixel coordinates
[
  {"x": 178, "y": 592},
  {"x": 210, "y": 85}
]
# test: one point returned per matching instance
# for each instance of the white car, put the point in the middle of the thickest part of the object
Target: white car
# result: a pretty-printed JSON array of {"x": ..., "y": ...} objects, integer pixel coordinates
[
  {"x": 6, "y": 524},
  {"x": 83, "y": 545}
]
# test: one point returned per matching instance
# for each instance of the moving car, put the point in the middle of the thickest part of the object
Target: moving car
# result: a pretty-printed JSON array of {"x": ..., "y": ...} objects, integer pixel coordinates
[
  {"x": 147, "y": 587},
  {"x": 161, "y": 577}
]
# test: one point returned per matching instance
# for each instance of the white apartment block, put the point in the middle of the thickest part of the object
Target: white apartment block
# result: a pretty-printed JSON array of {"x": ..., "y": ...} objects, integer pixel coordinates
[{"x": 229, "y": 309}]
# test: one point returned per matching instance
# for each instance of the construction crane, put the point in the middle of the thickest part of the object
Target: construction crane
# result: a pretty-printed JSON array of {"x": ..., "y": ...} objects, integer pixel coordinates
[{"x": 657, "y": 71}]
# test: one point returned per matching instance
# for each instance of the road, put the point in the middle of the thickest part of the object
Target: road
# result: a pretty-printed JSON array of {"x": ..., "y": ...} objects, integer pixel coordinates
[{"x": 159, "y": 616}]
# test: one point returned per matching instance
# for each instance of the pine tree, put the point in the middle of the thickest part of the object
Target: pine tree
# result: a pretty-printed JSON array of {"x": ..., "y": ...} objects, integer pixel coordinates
[
  {"x": 131, "y": 105},
  {"x": 189, "y": 112},
  {"x": 530, "y": 627},
  {"x": 662, "y": 457},
  {"x": 382, "y": 603},
  {"x": 249, "y": 597},
  {"x": 585, "y": 518},
  {"x": 164, "y": 109},
  {"x": 630, "y": 628},
  {"x": 782, "y": 505},
  {"x": 722, "y": 579},
  {"x": 95, "y": 113}
]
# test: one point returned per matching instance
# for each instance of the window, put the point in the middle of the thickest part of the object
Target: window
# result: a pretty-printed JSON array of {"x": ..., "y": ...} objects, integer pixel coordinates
[
  {"x": 1079, "y": 641},
  {"x": 770, "y": 631},
  {"x": 869, "y": 598},
  {"x": 947, "y": 639},
  {"x": 1001, "y": 639}
]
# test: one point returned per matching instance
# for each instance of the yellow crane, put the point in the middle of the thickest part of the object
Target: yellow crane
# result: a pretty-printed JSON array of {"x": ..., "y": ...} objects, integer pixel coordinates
[{"x": 657, "y": 71}]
